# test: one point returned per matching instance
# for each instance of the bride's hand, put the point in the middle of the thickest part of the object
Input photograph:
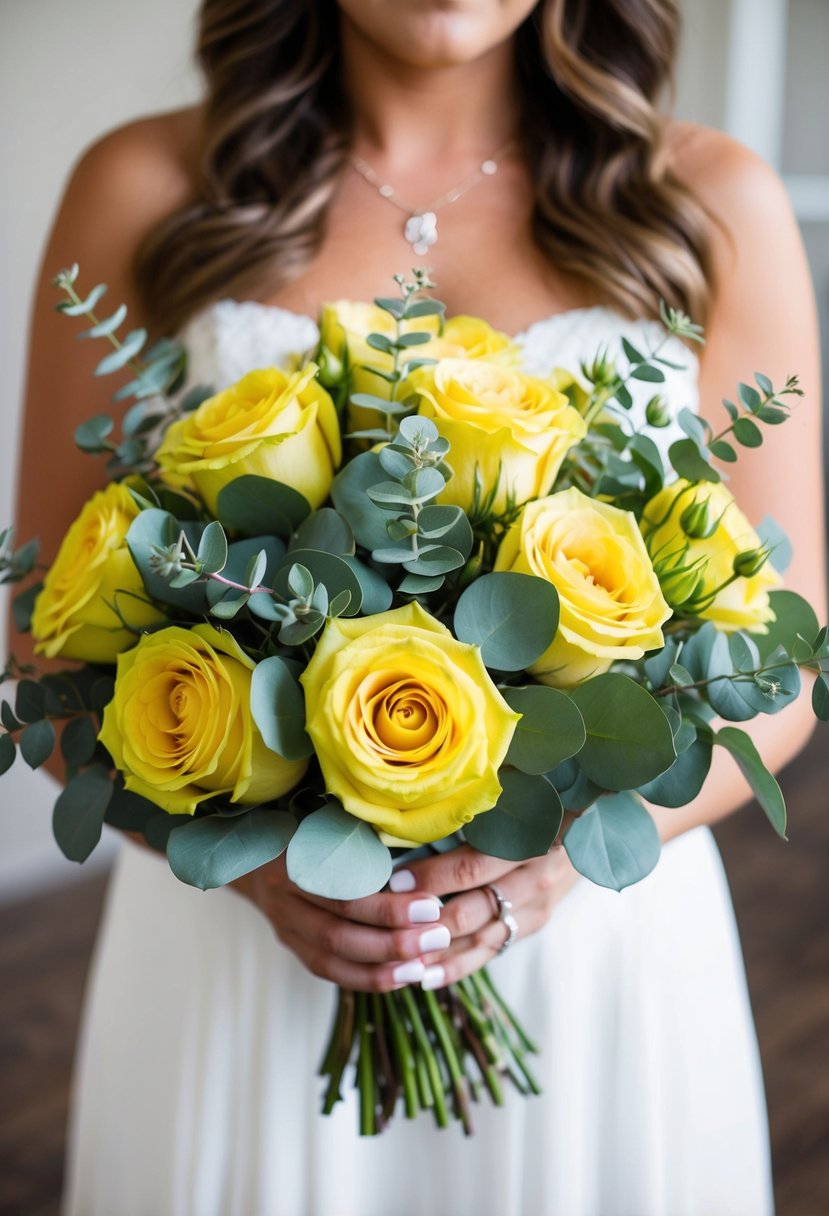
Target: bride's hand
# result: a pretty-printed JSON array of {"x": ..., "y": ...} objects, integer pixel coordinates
[
  {"x": 534, "y": 888},
  {"x": 408, "y": 935},
  {"x": 368, "y": 945}
]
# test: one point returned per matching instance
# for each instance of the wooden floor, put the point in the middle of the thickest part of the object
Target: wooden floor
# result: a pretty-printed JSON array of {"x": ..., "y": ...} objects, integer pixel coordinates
[{"x": 781, "y": 893}]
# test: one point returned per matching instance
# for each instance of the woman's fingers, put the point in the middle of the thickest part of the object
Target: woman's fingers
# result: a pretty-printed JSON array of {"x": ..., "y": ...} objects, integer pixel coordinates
[
  {"x": 356, "y": 942},
  {"x": 358, "y": 977},
  {"x": 385, "y": 910},
  {"x": 461, "y": 870}
]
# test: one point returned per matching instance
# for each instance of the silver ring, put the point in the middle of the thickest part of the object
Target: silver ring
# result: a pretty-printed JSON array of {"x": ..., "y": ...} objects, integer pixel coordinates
[{"x": 504, "y": 915}]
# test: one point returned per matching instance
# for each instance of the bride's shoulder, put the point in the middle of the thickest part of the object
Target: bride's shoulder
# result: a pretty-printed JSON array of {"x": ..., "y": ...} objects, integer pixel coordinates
[
  {"x": 146, "y": 166},
  {"x": 740, "y": 192},
  {"x": 122, "y": 186}
]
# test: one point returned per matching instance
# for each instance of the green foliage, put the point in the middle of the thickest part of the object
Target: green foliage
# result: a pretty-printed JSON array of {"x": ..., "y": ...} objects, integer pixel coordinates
[
  {"x": 157, "y": 374},
  {"x": 37, "y": 742},
  {"x": 550, "y": 729},
  {"x": 214, "y": 850},
  {"x": 349, "y": 494},
  {"x": 78, "y": 742},
  {"x": 512, "y": 617},
  {"x": 629, "y": 738},
  {"x": 7, "y": 753},
  {"x": 79, "y": 812},
  {"x": 763, "y": 784},
  {"x": 523, "y": 823},
  {"x": 685, "y": 778},
  {"x": 252, "y": 504},
  {"x": 337, "y": 856},
  {"x": 278, "y": 709},
  {"x": 428, "y": 541},
  {"x": 795, "y": 623},
  {"x": 615, "y": 843},
  {"x": 820, "y": 697}
]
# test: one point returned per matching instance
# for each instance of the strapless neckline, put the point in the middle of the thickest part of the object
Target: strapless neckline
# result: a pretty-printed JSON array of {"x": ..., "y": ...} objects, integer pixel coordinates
[{"x": 567, "y": 314}]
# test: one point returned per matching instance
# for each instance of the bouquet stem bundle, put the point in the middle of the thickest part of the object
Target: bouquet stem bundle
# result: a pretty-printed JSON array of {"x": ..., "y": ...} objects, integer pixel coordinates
[{"x": 438, "y": 1051}]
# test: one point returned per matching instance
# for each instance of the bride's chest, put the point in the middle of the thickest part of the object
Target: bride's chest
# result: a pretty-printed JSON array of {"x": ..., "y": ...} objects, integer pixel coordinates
[{"x": 484, "y": 260}]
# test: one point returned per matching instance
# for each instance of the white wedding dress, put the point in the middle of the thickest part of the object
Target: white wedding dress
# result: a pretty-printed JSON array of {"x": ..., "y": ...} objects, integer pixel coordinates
[{"x": 195, "y": 1090}]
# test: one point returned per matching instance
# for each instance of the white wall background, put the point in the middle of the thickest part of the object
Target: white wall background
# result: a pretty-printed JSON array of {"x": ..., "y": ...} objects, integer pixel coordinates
[{"x": 70, "y": 71}]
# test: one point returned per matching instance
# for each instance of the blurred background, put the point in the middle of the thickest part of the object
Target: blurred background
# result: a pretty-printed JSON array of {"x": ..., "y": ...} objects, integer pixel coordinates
[{"x": 69, "y": 72}]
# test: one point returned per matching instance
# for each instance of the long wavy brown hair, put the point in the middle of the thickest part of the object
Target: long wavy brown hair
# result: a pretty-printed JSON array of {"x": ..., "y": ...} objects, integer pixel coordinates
[{"x": 277, "y": 131}]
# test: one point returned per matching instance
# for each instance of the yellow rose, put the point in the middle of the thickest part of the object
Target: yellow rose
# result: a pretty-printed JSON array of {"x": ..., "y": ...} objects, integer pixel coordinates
[
  {"x": 408, "y": 728},
  {"x": 270, "y": 423},
  {"x": 509, "y": 432},
  {"x": 349, "y": 322},
  {"x": 471, "y": 338},
  {"x": 74, "y": 615},
  {"x": 611, "y": 606},
  {"x": 179, "y": 725},
  {"x": 739, "y": 604}
]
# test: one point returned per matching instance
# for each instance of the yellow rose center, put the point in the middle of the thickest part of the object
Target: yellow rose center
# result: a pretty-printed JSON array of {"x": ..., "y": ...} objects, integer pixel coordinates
[{"x": 399, "y": 719}]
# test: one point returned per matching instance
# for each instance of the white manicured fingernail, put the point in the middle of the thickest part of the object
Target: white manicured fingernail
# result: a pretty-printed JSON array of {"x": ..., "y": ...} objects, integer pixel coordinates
[
  {"x": 434, "y": 939},
  {"x": 402, "y": 880},
  {"x": 433, "y": 977},
  {"x": 422, "y": 910},
  {"x": 409, "y": 973}
]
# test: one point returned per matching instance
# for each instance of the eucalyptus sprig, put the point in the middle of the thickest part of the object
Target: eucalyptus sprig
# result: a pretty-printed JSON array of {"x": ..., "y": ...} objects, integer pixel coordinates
[
  {"x": 158, "y": 374},
  {"x": 410, "y": 307},
  {"x": 415, "y": 465}
]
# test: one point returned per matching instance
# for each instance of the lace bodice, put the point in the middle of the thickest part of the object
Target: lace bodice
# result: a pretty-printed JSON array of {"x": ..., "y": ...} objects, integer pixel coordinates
[{"x": 232, "y": 337}]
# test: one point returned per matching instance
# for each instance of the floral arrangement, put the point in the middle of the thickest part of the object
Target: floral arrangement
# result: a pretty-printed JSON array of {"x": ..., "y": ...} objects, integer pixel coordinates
[{"x": 396, "y": 597}]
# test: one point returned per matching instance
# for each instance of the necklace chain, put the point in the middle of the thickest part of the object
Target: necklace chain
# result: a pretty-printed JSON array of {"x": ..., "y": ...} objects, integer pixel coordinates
[{"x": 420, "y": 228}]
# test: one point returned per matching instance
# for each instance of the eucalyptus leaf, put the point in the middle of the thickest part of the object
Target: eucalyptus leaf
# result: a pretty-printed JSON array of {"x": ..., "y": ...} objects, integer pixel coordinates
[
  {"x": 252, "y": 504},
  {"x": 523, "y": 823},
  {"x": 324, "y": 529},
  {"x": 78, "y": 742},
  {"x": 418, "y": 584},
  {"x": 29, "y": 701},
  {"x": 79, "y": 811},
  {"x": 37, "y": 742},
  {"x": 762, "y": 782},
  {"x": 794, "y": 617},
  {"x": 337, "y": 856},
  {"x": 440, "y": 559},
  {"x": 615, "y": 843},
  {"x": 681, "y": 783},
  {"x": 820, "y": 697},
  {"x": 629, "y": 738},
  {"x": 774, "y": 538},
  {"x": 278, "y": 708},
  {"x": 550, "y": 728},
  {"x": 512, "y": 617},
  {"x": 689, "y": 462},
  {"x": 348, "y": 492},
  {"x": 215, "y": 850},
  {"x": 119, "y": 358},
  {"x": 334, "y": 570},
  {"x": 212, "y": 550},
  {"x": 153, "y": 529},
  {"x": 7, "y": 753}
]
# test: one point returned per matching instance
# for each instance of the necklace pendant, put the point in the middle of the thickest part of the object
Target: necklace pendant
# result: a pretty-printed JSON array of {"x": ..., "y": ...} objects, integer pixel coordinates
[{"x": 421, "y": 231}]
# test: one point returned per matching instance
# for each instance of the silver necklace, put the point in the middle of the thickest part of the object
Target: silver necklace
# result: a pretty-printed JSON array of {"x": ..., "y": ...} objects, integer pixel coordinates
[{"x": 421, "y": 227}]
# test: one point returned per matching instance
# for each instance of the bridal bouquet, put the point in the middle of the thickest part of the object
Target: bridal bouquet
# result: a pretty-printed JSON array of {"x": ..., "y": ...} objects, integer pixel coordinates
[{"x": 398, "y": 596}]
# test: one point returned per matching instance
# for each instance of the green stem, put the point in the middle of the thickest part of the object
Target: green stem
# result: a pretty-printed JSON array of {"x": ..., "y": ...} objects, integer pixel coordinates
[
  {"x": 509, "y": 1015},
  {"x": 438, "y": 1020},
  {"x": 406, "y": 1067},
  {"x": 432, "y": 1068},
  {"x": 137, "y": 366},
  {"x": 365, "y": 1069}
]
